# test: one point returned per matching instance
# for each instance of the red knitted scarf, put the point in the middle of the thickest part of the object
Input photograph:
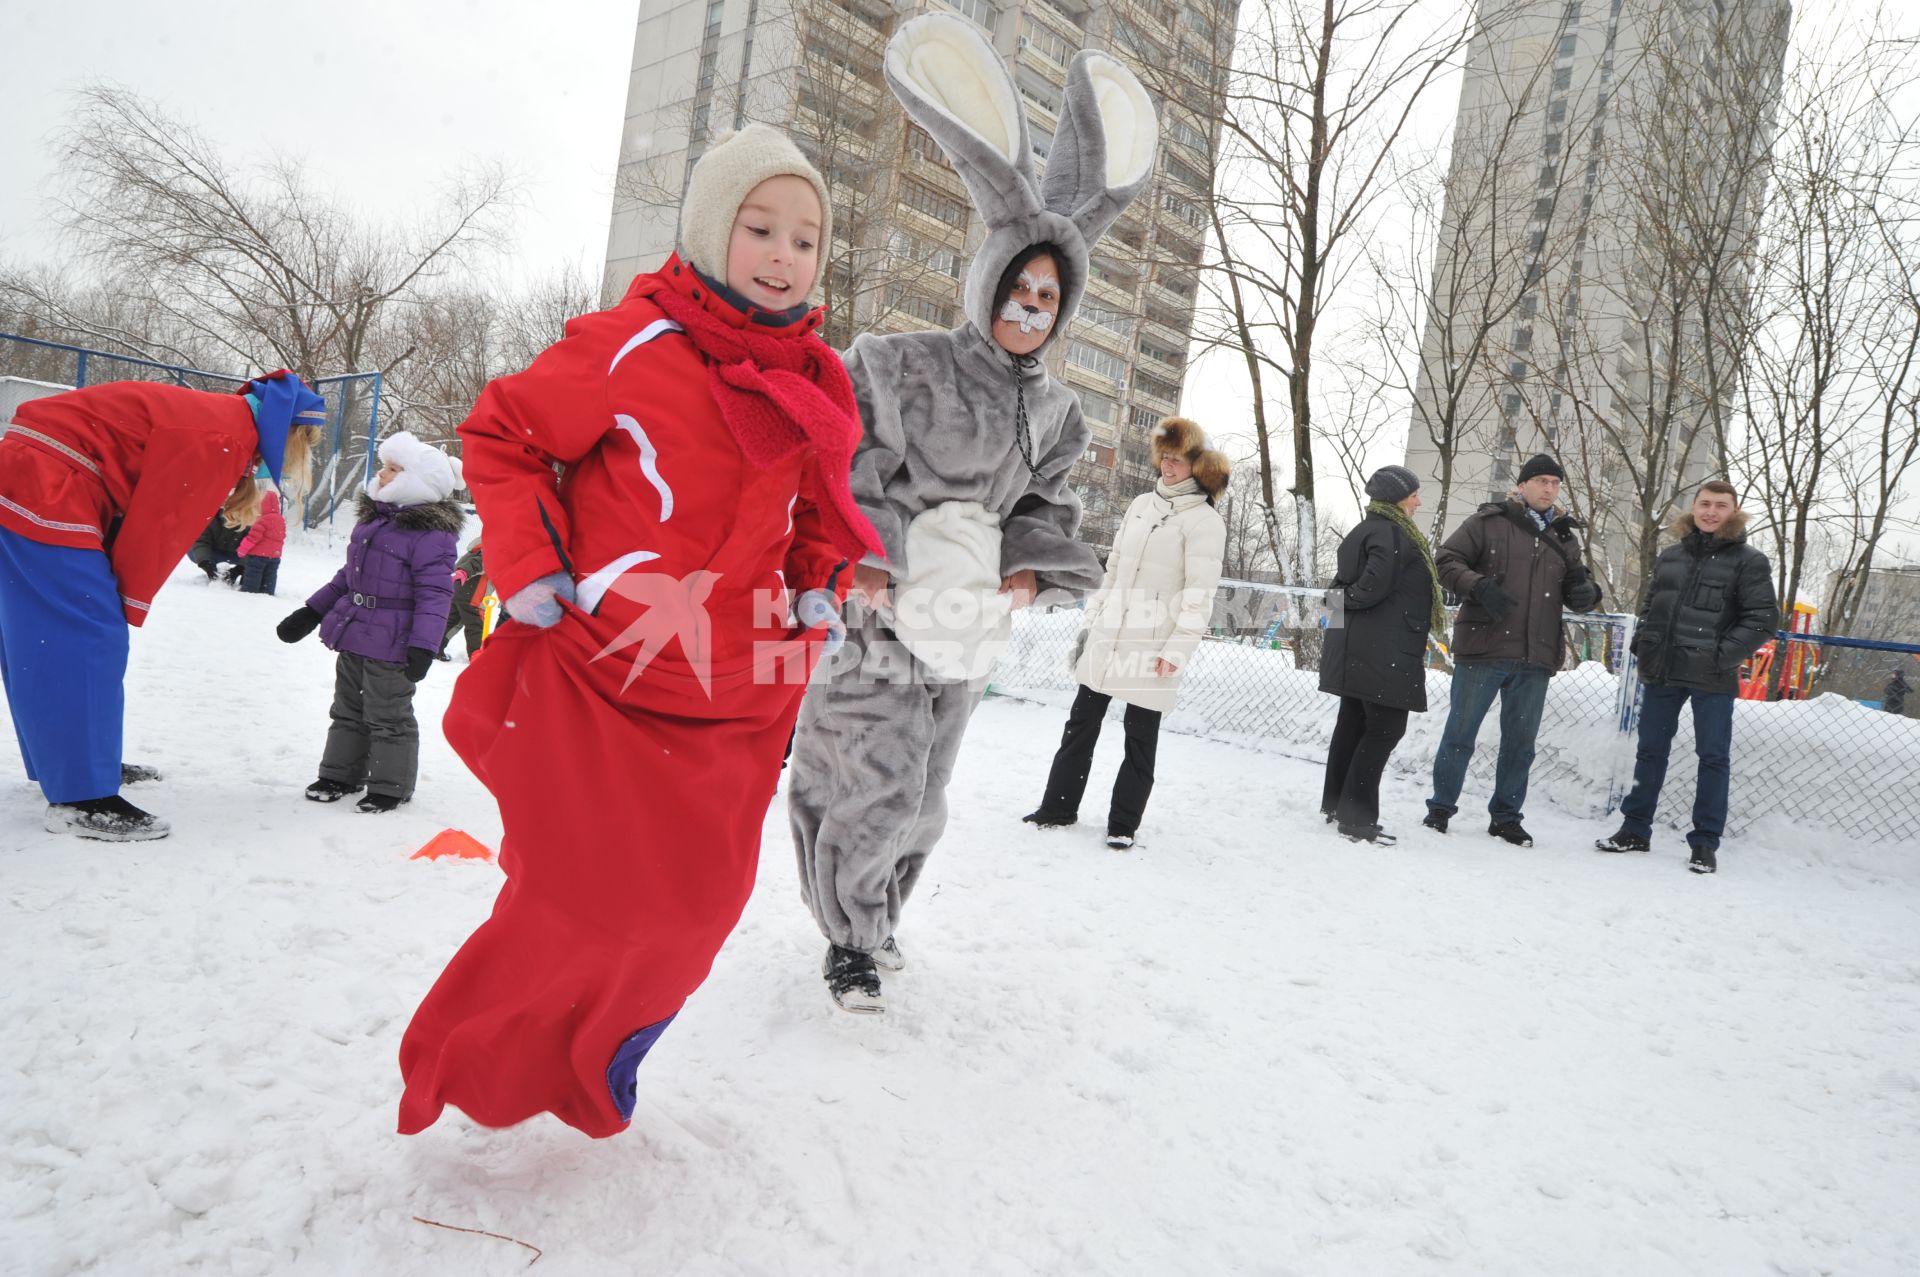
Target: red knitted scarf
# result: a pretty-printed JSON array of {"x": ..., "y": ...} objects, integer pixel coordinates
[{"x": 779, "y": 392}]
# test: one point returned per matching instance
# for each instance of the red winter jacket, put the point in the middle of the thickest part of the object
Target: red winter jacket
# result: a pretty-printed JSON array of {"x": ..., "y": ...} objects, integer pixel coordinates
[
  {"x": 268, "y": 535},
  {"x": 649, "y": 481},
  {"x": 129, "y": 467}
]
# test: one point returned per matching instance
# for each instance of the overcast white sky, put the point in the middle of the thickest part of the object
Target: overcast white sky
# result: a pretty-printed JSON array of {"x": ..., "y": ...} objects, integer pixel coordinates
[{"x": 383, "y": 99}]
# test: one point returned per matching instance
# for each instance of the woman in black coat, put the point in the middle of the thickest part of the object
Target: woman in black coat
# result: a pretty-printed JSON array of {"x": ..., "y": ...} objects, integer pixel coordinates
[{"x": 1385, "y": 600}]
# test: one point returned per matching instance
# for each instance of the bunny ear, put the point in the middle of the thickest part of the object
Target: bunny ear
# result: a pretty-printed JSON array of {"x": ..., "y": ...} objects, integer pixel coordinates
[
  {"x": 1102, "y": 153},
  {"x": 956, "y": 87}
]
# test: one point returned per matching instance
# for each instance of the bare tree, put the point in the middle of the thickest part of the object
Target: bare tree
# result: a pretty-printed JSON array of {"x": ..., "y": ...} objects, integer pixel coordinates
[{"x": 260, "y": 267}]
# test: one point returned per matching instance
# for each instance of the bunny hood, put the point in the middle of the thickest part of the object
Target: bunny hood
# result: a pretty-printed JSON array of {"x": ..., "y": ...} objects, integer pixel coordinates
[
  {"x": 426, "y": 473},
  {"x": 954, "y": 85}
]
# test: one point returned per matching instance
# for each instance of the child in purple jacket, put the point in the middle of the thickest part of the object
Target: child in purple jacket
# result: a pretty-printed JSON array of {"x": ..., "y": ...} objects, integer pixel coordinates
[{"x": 384, "y": 613}]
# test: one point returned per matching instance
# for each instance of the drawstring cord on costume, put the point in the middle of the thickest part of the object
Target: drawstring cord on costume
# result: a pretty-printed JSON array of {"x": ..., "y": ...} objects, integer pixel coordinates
[{"x": 1022, "y": 430}]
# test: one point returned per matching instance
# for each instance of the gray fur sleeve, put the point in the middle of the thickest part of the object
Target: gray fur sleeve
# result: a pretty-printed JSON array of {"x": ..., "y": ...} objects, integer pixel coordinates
[
  {"x": 883, "y": 444},
  {"x": 1039, "y": 532}
]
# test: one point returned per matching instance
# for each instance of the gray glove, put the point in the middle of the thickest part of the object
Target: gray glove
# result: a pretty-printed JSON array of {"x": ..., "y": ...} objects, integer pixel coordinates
[{"x": 1078, "y": 650}]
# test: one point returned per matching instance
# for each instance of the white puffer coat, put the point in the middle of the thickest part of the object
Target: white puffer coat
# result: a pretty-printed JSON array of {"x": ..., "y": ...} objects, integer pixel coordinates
[{"x": 1157, "y": 598}]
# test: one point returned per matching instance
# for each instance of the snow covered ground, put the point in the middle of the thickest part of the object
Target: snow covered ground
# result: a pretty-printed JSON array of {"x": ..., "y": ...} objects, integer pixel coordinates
[{"x": 1246, "y": 1046}]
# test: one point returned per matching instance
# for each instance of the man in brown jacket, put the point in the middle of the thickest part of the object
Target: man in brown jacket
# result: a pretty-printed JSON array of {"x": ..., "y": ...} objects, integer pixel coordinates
[{"x": 1515, "y": 565}]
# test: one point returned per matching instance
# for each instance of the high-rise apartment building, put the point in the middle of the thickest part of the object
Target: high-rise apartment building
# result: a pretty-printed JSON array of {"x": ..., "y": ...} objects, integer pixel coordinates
[
  {"x": 1590, "y": 270},
  {"x": 904, "y": 231}
]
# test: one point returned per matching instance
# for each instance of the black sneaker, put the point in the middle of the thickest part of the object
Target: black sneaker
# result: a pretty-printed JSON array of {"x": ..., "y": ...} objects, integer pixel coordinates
[
  {"x": 330, "y": 791},
  {"x": 374, "y": 804},
  {"x": 853, "y": 981},
  {"x": 1436, "y": 820},
  {"x": 1623, "y": 841},
  {"x": 1704, "y": 861},
  {"x": 1367, "y": 833},
  {"x": 1119, "y": 841},
  {"x": 109, "y": 819},
  {"x": 136, "y": 774},
  {"x": 1510, "y": 832},
  {"x": 1044, "y": 819}
]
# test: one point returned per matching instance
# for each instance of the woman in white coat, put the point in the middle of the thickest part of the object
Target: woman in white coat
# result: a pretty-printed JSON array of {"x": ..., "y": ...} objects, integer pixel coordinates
[{"x": 1143, "y": 626}]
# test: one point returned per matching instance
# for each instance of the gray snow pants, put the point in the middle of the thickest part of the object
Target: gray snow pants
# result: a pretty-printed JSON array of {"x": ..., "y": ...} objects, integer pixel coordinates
[
  {"x": 374, "y": 739},
  {"x": 872, "y": 757}
]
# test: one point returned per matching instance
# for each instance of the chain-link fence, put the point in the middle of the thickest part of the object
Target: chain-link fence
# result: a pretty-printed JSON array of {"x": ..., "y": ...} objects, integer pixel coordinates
[
  {"x": 1828, "y": 762},
  {"x": 341, "y": 463}
]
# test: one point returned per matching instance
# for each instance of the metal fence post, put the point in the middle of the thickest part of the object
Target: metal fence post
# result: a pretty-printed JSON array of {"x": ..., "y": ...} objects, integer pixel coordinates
[{"x": 1626, "y": 713}]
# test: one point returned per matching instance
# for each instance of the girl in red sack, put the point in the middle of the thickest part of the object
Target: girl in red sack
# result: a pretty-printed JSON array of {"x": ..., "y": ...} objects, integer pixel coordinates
[
  {"x": 102, "y": 491},
  {"x": 668, "y": 522}
]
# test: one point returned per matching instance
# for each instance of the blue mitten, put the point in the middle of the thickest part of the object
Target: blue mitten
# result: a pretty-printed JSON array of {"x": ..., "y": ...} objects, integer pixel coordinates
[
  {"x": 538, "y": 602},
  {"x": 817, "y": 608}
]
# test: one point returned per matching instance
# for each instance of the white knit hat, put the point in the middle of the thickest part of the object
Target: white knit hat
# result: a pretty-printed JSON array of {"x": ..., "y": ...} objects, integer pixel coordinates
[
  {"x": 426, "y": 473},
  {"x": 734, "y": 164}
]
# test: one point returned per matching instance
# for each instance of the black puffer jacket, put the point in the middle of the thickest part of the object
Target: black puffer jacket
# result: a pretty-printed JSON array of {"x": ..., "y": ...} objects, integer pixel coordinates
[
  {"x": 217, "y": 543},
  {"x": 1377, "y": 650},
  {"x": 1709, "y": 606}
]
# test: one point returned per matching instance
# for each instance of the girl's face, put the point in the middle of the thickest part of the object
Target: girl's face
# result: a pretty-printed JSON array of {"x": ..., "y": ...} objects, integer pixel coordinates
[
  {"x": 774, "y": 255},
  {"x": 1026, "y": 317},
  {"x": 387, "y": 470},
  {"x": 1175, "y": 469}
]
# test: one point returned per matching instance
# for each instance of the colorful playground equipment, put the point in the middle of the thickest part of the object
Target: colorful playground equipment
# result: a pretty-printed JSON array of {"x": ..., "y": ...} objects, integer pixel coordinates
[{"x": 1785, "y": 666}]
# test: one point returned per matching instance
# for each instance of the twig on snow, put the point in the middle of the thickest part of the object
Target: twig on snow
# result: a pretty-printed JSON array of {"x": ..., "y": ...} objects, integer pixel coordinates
[{"x": 455, "y": 1228}]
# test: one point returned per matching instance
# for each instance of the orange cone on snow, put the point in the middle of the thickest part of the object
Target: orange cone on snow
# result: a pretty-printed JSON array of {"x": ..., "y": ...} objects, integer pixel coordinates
[{"x": 453, "y": 842}]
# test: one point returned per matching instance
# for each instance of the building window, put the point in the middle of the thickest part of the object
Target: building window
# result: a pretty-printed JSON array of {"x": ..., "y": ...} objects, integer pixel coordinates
[
  {"x": 1117, "y": 322},
  {"x": 1183, "y": 209},
  {"x": 1563, "y": 78},
  {"x": 1045, "y": 41},
  {"x": 1095, "y": 360},
  {"x": 1170, "y": 358},
  {"x": 924, "y": 199},
  {"x": 976, "y": 11},
  {"x": 922, "y": 308},
  {"x": 1155, "y": 386}
]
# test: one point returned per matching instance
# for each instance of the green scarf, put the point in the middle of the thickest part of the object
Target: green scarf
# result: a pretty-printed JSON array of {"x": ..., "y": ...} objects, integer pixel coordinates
[{"x": 1437, "y": 623}]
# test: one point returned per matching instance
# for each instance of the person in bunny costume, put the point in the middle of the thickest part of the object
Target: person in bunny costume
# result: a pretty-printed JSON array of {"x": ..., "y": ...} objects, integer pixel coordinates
[{"x": 963, "y": 471}]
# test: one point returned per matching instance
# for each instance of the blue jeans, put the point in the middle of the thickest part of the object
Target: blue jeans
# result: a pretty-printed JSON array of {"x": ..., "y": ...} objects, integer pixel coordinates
[
  {"x": 259, "y": 574},
  {"x": 1712, "y": 742},
  {"x": 1522, "y": 689}
]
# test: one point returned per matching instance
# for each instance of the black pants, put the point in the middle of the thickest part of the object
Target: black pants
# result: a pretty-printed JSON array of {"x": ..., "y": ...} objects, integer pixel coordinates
[
  {"x": 463, "y": 616},
  {"x": 1363, "y": 740},
  {"x": 1074, "y": 759}
]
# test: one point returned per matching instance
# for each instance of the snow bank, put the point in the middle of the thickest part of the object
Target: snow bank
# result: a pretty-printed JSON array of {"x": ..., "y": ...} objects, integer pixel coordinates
[{"x": 1247, "y": 1046}]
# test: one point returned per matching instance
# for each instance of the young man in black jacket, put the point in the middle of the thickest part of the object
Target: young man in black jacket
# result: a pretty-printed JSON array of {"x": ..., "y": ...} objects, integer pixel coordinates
[{"x": 1708, "y": 606}]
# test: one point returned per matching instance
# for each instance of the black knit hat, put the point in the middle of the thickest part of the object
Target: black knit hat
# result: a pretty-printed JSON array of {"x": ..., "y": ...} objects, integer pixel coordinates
[
  {"x": 1392, "y": 484},
  {"x": 1540, "y": 463}
]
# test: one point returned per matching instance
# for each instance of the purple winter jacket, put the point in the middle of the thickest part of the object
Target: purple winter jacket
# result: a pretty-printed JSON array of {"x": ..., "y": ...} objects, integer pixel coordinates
[{"x": 397, "y": 585}]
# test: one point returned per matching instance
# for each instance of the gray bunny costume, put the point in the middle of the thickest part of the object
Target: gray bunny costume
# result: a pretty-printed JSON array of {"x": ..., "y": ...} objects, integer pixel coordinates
[{"x": 961, "y": 501}]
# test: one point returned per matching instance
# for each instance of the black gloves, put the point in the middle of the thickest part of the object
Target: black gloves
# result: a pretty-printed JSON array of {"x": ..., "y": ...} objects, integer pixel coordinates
[
  {"x": 1488, "y": 594},
  {"x": 419, "y": 661},
  {"x": 211, "y": 569},
  {"x": 301, "y": 622},
  {"x": 1579, "y": 591}
]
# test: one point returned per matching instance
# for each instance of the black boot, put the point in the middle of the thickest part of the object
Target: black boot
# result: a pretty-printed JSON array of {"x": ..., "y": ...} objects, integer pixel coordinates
[
  {"x": 1623, "y": 841},
  {"x": 1044, "y": 819},
  {"x": 375, "y": 804},
  {"x": 109, "y": 819},
  {"x": 1436, "y": 820},
  {"x": 1366, "y": 833},
  {"x": 1510, "y": 831},
  {"x": 135, "y": 774},
  {"x": 330, "y": 791},
  {"x": 853, "y": 981},
  {"x": 1704, "y": 861}
]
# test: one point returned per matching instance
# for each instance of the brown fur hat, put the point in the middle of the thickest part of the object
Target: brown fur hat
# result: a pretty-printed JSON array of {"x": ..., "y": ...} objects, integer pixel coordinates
[
  {"x": 1213, "y": 470},
  {"x": 1178, "y": 437}
]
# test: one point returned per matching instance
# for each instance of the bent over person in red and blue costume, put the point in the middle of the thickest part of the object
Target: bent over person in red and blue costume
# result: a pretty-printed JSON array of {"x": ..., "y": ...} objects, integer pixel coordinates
[
  {"x": 102, "y": 490},
  {"x": 668, "y": 522}
]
